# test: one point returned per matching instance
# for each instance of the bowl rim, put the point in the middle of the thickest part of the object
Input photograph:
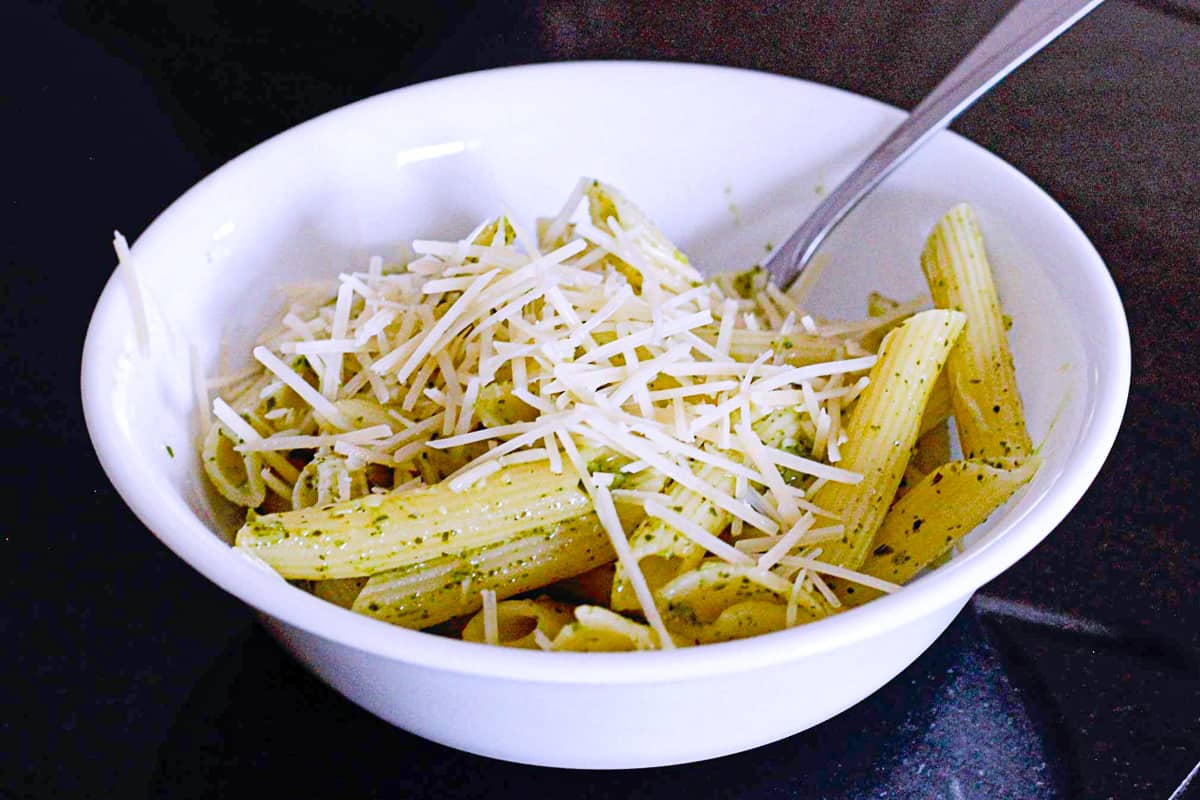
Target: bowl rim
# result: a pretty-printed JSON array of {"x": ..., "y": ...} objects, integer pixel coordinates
[{"x": 195, "y": 543}]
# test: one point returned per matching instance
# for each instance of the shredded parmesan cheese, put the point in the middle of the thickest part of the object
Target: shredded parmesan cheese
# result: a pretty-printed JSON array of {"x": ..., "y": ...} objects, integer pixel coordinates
[
  {"x": 491, "y": 625},
  {"x": 133, "y": 286}
]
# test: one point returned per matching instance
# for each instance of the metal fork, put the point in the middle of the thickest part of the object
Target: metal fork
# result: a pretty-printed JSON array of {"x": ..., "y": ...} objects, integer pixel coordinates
[{"x": 1024, "y": 30}]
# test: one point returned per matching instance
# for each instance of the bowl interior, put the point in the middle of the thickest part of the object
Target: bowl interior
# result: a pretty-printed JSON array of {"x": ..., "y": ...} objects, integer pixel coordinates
[{"x": 725, "y": 161}]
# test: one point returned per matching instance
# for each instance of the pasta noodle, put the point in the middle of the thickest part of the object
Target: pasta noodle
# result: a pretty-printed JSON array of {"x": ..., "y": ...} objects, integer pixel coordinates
[
  {"x": 598, "y": 630},
  {"x": 987, "y": 405},
  {"x": 883, "y": 428},
  {"x": 379, "y": 532},
  {"x": 577, "y": 443},
  {"x": 446, "y": 586},
  {"x": 519, "y": 621},
  {"x": 945, "y": 506}
]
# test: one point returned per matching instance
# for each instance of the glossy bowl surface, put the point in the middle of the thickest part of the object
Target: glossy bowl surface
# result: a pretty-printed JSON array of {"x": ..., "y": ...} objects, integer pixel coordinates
[{"x": 726, "y": 161}]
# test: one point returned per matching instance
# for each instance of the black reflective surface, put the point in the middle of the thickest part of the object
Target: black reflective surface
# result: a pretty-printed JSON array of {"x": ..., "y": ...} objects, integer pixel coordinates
[
  {"x": 127, "y": 675},
  {"x": 919, "y": 737}
]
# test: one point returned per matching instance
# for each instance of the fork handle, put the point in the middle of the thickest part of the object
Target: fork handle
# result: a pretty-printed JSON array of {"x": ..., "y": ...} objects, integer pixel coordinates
[{"x": 1024, "y": 30}]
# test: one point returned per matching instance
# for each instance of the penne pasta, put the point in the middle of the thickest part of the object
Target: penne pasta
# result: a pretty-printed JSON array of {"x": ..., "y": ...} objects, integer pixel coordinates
[
  {"x": 376, "y": 532},
  {"x": 883, "y": 428},
  {"x": 466, "y": 442},
  {"x": 738, "y": 621},
  {"x": 945, "y": 506},
  {"x": 237, "y": 476},
  {"x": 447, "y": 586},
  {"x": 983, "y": 381},
  {"x": 598, "y": 630},
  {"x": 519, "y": 623},
  {"x": 702, "y": 594}
]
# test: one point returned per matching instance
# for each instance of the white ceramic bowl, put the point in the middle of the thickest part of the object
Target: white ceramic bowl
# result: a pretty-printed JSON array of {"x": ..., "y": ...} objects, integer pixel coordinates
[{"x": 725, "y": 161}]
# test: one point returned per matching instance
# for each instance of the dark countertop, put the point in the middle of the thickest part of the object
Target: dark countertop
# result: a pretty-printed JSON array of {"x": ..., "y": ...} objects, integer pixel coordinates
[{"x": 1074, "y": 674}]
